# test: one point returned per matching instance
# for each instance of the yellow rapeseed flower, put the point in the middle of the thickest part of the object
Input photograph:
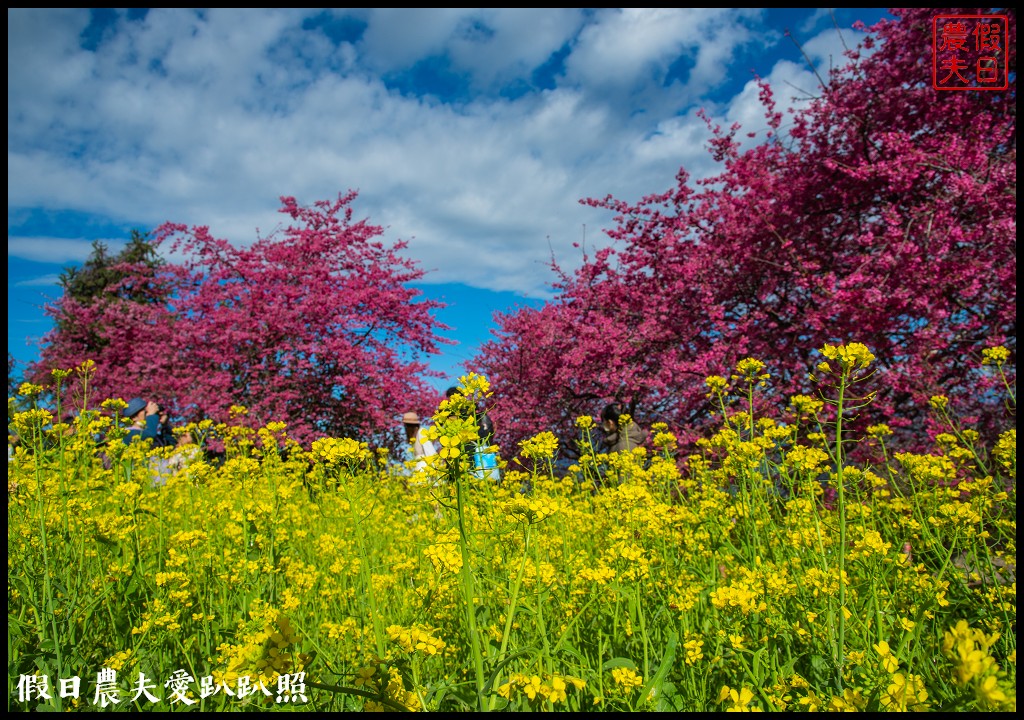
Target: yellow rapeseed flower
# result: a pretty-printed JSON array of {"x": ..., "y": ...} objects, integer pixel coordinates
[
  {"x": 474, "y": 384},
  {"x": 889, "y": 661},
  {"x": 29, "y": 390},
  {"x": 879, "y": 431},
  {"x": 716, "y": 384},
  {"x": 905, "y": 693},
  {"x": 557, "y": 693},
  {"x": 694, "y": 651},
  {"x": 530, "y": 510},
  {"x": 626, "y": 678},
  {"x": 450, "y": 447},
  {"x": 995, "y": 356},
  {"x": 532, "y": 687},
  {"x": 939, "y": 402},
  {"x": 989, "y": 694},
  {"x": 542, "y": 446},
  {"x": 740, "y": 699},
  {"x": 850, "y": 356},
  {"x": 749, "y": 370}
]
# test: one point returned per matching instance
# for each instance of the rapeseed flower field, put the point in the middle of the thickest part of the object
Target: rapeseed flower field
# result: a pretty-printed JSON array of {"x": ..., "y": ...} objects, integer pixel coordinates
[{"x": 767, "y": 572}]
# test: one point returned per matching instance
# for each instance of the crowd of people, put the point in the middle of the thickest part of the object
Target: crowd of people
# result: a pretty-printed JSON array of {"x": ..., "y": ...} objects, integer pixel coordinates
[
  {"x": 147, "y": 420},
  {"x": 617, "y": 436}
]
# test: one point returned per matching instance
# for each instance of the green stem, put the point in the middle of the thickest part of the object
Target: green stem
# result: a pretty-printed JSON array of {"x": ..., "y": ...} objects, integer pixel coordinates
[
  {"x": 842, "y": 534},
  {"x": 367, "y": 576},
  {"x": 1009, "y": 388},
  {"x": 469, "y": 592},
  {"x": 643, "y": 629},
  {"x": 541, "y": 598},
  {"x": 48, "y": 603},
  {"x": 510, "y": 613}
]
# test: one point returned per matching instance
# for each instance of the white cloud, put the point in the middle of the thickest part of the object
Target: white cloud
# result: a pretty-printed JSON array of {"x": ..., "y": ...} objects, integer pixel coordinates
[
  {"x": 506, "y": 43},
  {"x": 630, "y": 51},
  {"x": 40, "y": 281},
  {"x": 207, "y": 118},
  {"x": 491, "y": 45},
  {"x": 55, "y": 250},
  {"x": 827, "y": 48},
  {"x": 396, "y": 38}
]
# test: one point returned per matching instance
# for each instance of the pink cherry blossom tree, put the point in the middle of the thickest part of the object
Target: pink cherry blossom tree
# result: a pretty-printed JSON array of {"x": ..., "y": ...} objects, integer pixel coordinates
[
  {"x": 315, "y": 325},
  {"x": 882, "y": 212}
]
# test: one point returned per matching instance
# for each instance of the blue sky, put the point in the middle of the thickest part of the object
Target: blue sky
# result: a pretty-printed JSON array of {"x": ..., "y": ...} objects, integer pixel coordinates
[{"x": 472, "y": 133}]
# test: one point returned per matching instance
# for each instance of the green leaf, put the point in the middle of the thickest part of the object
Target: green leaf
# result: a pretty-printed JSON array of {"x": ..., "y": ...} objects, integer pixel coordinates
[
  {"x": 759, "y": 674},
  {"x": 619, "y": 662},
  {"x": 654, "y": 685}
]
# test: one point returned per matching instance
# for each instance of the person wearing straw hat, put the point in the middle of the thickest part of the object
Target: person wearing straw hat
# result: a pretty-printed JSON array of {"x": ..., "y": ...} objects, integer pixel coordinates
[{"x": 422, "y": 447}]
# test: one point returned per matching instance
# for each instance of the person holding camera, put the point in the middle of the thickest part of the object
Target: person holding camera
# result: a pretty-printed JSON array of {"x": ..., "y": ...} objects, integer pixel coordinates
[{"x": 144, "y": 418}]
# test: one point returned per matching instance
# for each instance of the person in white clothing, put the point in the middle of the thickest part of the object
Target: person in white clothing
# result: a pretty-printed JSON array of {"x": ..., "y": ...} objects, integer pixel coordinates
[{"x": 422, "y": 447}]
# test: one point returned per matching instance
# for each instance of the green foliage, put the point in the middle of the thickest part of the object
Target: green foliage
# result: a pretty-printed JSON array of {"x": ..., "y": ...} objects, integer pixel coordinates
[
  {"x": 97, "y": 297},
  {"x": 120, "y": 276}
]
